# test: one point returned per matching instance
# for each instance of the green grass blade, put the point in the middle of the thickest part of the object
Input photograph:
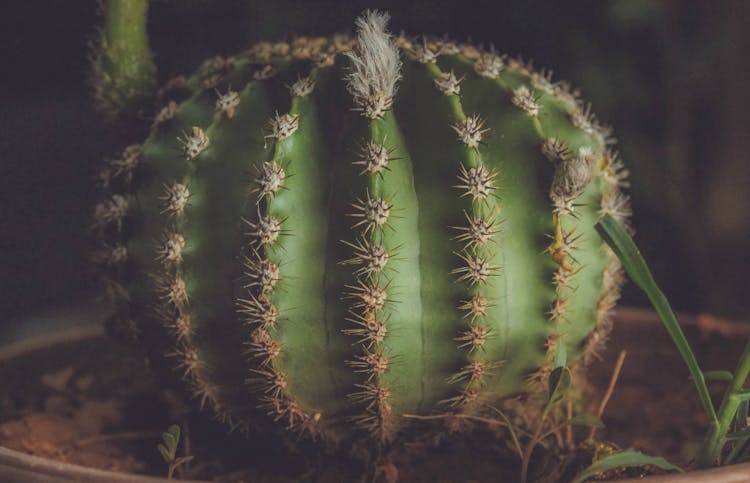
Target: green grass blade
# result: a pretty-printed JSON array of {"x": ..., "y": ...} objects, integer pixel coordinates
[{"x": 615, "y": 235}]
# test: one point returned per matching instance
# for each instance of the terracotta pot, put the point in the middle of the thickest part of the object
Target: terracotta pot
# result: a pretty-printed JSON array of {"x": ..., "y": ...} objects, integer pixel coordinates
[{"x": 717, "y": 342}]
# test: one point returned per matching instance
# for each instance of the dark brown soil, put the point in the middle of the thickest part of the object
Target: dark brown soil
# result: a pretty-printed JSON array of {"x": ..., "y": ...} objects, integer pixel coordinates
[{"x": 93, "y": 403}]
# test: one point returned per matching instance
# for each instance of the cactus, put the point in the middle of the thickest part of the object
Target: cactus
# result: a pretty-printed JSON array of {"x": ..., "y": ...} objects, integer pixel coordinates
[{"x": 339, "y": 231}]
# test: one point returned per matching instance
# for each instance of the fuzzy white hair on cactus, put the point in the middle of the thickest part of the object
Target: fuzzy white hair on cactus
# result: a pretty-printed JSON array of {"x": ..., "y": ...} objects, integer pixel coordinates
[{"x": 375, "y": 65}]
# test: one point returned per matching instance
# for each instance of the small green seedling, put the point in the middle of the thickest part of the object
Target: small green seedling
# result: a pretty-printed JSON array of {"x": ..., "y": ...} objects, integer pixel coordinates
[
  {"x": 168, "y": 450},
  {"x": 732, "y": 413},
  {"x": 624, "y": 459}
]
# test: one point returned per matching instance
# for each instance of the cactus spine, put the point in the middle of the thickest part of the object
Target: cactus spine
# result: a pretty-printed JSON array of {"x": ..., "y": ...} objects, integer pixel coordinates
[{"x": 318, "y": 232}]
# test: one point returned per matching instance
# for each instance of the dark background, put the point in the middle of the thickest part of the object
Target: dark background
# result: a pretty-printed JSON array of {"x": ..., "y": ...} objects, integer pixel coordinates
[{"x": 670, "y": 76}]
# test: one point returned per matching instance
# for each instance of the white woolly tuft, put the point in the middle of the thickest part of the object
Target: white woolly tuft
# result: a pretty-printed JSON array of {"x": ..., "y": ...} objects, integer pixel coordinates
[{"x": 375, "y": 65}]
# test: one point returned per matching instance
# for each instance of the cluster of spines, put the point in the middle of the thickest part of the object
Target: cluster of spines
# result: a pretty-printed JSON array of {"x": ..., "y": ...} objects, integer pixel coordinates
[{"x": 263, "y": 275}]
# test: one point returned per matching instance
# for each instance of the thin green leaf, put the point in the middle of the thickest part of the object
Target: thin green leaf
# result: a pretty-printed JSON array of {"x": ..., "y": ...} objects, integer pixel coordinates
[
  {"x": 559, "y": 382},
  {"x": 511, "y": 430},
  {"x": 624, "y": 459},
  {"x": 615, "y": 235},
  {"x": 182, "y": 460},
  {"x": 725, "y": 376},
  {"x": 169, "y": 441},
  {"x": 164, "y": 452},
  {"x": 743, "y": 395},
  {"x": 588, "y": 420},
  {"x": 167, "y": 438},
  {"x": 174, "y": 430}
]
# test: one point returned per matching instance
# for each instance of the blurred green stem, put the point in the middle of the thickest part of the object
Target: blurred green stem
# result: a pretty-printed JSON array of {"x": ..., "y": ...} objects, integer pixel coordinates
[{"x": 126, "y": 62}]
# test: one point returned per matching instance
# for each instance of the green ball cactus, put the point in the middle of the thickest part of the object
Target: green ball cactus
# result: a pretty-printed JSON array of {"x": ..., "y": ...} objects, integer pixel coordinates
[{"x": 339, "y": 232}]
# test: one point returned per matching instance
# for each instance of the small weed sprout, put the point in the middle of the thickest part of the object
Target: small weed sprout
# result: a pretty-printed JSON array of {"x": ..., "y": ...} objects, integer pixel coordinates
[{"x": 168, "y": 450}]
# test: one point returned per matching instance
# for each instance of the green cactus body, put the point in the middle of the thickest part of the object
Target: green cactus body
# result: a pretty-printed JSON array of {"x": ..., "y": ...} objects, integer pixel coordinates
[{"x": 299, "y": 238}]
